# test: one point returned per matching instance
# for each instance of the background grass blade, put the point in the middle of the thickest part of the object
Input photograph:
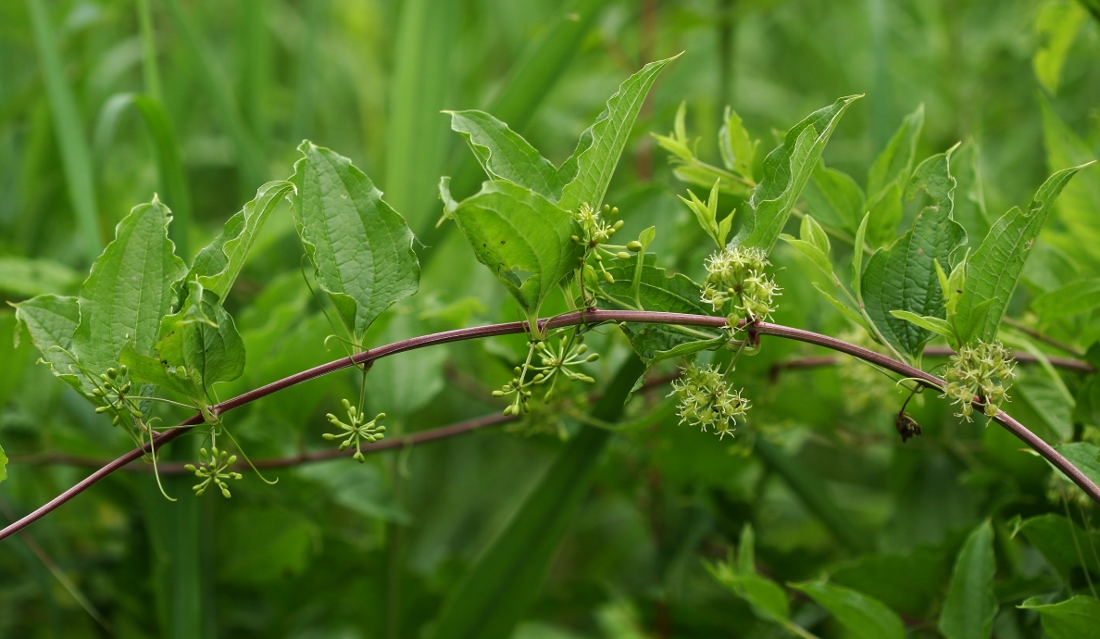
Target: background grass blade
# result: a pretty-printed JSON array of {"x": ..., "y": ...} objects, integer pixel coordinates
[
  {"x": 76, "y": 159},
  {"x": 496, "y": 592}
]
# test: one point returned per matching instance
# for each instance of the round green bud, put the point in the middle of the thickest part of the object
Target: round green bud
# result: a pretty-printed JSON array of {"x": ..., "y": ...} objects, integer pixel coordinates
[
  {"x": 123, "y": 370},
  {"x": 102, "y": 409},
  {"x": 379, "y": 417},
  {"x": 189, "y": 468},
  {"x": 497, "y": 393},
  {"x": 617, "y": 225},
  {"x": 593, "y": 357},
  {"x": 225, "y": 493},
  {"x": 112, "y": 373},
  {"x": 634, "y": 246},
  {"x": 607, "y": 276},
  {"x": 359, "y": 457},
  {"x": 328, "y": 437},
  {"x": 623, "y": 255}
]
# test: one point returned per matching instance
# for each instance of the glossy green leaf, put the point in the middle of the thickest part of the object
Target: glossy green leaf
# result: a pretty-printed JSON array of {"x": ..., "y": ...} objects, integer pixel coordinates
[
  {"x": 51, "y": 321},
  {"x": 812, "y": 252},
  {"x": 1079, "y": 297},
  {"x": 360, "y": 247},
  {"x": 857, "y": 258},
  {"x": 1075, "y": 618},
  {"x": 787, "y": 169},
  {"x": 884, "y": 214},
  {"x": 864, "y": 617},
  {"x": 590, "y": 168},
  {"x": 995, "y": 268},
  {"x": 505, "y": 155},
  {"x": 903, "y": 277},
  {"x": 657, "y": 291},
  {"x": 220, "y": 262},
  {"x": 1083, "y": 455},
  {"x": 495, "y": 594},
  {"x": 129, "y": 290},
  {"x": 835, "y": 198},
  {"x": 971, "y": 605},
  {"x": 522, "y": 237}
]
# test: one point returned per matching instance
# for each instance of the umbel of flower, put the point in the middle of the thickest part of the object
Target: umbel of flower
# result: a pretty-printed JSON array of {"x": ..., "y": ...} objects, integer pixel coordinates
[
  {"x": 735, "y": 277},
  {"x": 707, "y": 401},
  {"x": 984, "y": 371}
]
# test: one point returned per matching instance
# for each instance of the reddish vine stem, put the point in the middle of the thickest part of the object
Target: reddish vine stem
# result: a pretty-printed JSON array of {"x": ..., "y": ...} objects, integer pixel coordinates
[{"x": 589, "y": 317}]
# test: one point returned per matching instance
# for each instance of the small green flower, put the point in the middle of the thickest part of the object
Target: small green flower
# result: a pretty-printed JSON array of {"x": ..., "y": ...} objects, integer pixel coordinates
[
  {"x": 736, "y": 276},
  {"x": 356, "y": 430},
  {"x": 214, "y": 468},
  {"x": 707, "y": 401},
  {"x": 984, "y": 372}
]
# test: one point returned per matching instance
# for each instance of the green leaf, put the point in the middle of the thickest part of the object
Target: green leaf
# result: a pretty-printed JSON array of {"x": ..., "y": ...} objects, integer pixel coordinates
[
  {"x": 857, "y": 258},
  {"x": 129, "y": 289},
  {"x": 3, "y": 465},
  {"x": 1056, "y": 26},
  {"x": 590, "y": 168},
  {"x": 812, "y": 232},
  {"x": 862, "y": 616},
  {"x": 219, "y": 263},
  {"x": 786, "y": 171},
  {"x": 505, "y": 155},
  {"x": 522, "y": 237},
  {"x": 811, "y": 251},
  {"x": 737, "y": 147},
  {"x": 969, "y": 196},
  {"x": 835, "y": 198},
  {"x": 995, "y": 268},
  {"x": 201, "y": 343},
  {"x": 657, "y": 291},
  {"x": 1058, "y": 539},
  {"x": 971, "y": 605},
  {"x": 51, "y": 321},
  {"x": 884, "y": 212},
  {"x": 846, "y": 310},
  {"x": 903, "y": 277},
  {"x": 887, "y": 178},
  {"x": 689, "y": 348},
  {"x": 1085, "y": 456},
  {"x": 768, "y": 599},
  {"x": 360, "y": 247},
  {"x": 1076, "y": 618},
  {"x": 1069, "y": 300},
  {"x": 896, "y": 160},
  {"x": 495, "y": 594},
  {"x": 147, "y": 369},
  {"x": 934, "y": 324}
]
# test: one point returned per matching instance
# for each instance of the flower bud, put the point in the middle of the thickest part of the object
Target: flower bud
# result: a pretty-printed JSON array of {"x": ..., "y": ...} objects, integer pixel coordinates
[{"x": 634, "y": 246}]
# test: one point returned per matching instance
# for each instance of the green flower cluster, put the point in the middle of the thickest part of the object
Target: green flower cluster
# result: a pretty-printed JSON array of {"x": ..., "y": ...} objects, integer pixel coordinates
[
  {"x": 707, "y": 401},
  {"x": 356, "y": 430},
  {"x": 596, "y": 230},
  {"x": 214, "y": 468},
  {"x": 736, "y": 275},
  {"x": 984, "y": 371}
]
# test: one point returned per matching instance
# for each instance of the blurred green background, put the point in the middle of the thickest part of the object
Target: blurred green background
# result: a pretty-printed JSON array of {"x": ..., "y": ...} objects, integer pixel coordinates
[{"x": 104, "y": 103}]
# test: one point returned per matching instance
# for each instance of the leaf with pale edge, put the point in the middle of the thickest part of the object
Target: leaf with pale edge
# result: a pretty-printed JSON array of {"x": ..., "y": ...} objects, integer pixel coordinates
[
  {"x": 904, "y": 277},
  {"x": 994, "y": 269},
  {"x": 657, "y": 291},
  {"x": 360, "y": 247},
  {"x": 862, "y": 616},
  {"x": 505, "y": 155},
  {"x": 1076, "y": 618},
  {"x": 592, "y": 164},
  {"x": 786, "y": 171},
  {"x": 219, "y": 263},
  {"x": 51, "y": 321},
  {"x": 971, "y": 604},
  {"x": 129, "y": 289}
]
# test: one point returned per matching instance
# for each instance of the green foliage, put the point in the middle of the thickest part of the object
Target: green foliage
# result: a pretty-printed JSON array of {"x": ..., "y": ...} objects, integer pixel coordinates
[
  {"x": 360, "y": 247},
  {"x": 971, "y": 604},
  {"x": 611, "y": 525}
]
